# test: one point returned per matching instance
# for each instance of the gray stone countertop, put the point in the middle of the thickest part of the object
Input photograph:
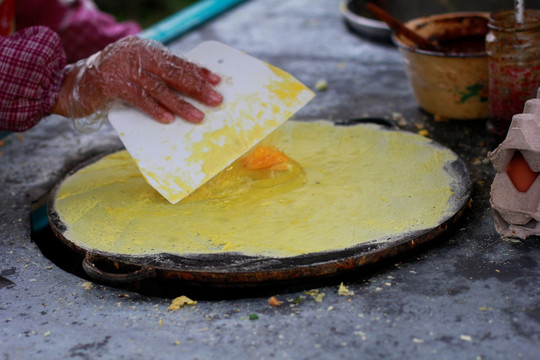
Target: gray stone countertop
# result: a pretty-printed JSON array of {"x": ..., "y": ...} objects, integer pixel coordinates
[{"x": 469, "y": 294}]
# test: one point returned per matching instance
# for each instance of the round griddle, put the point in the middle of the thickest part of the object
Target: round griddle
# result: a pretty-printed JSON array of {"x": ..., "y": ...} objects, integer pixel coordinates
[{"x": 239, "y": 270}]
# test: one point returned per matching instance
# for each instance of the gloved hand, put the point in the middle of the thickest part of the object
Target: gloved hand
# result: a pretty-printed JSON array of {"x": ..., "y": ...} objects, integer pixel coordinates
[{"x": 141, "y": 72}]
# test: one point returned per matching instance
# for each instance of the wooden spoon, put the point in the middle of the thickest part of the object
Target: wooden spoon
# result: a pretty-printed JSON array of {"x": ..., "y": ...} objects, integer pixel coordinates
[{"x": 401, "y": 29}]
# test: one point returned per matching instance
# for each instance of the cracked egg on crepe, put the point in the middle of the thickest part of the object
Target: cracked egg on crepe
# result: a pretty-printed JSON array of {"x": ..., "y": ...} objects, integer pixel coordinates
[{"x": 313, "y": 187}]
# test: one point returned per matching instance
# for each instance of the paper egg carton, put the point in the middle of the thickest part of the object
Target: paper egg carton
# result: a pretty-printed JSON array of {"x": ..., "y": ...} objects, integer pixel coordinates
[{"x": 516, "y": 213}]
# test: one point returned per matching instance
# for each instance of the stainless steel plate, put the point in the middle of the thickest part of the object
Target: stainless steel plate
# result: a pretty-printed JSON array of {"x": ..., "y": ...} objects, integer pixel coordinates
[{"x": 357, "y": 18}]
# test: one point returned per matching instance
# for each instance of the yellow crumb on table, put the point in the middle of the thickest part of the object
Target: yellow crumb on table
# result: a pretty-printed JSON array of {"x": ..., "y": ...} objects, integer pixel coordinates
[
  {"x": 180, "y": 302},
  {"x": 344, "y": 291}
]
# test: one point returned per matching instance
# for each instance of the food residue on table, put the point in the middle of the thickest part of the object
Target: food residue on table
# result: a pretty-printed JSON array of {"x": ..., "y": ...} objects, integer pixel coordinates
[
  {"x": 180, "y": 302},
  {"x": 273, "y": 301},
  {"x": 321, "y": 85},
  {"x": 316, "y": 295},
  {"x": 344, "y": 291}
]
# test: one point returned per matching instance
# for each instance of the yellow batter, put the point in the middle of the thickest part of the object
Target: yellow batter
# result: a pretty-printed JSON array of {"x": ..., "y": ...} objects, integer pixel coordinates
[{"x": 346, "y": 185}]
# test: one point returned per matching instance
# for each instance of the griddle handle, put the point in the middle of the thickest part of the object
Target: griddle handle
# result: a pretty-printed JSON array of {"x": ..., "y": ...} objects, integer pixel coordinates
[{"x": 99, "y": 275}]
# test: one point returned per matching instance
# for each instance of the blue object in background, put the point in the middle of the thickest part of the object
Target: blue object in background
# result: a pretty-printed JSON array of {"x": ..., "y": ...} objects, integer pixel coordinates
[
  {"x": 187, "y": 19},
  {"x": 164, "y": 31},
  {"x": 39, "y": 218}
]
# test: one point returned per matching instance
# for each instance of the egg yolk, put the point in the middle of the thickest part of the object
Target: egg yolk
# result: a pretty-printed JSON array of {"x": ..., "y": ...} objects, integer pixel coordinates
[
  {"x": 266, "y": 157},
  {"x": 265, "y": 168}
]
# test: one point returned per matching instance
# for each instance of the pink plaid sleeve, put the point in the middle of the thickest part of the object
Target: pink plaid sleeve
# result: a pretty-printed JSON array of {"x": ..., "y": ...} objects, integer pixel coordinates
[
  {"x": 31, "y": 72},
  {"x": 83, "y": 28}
]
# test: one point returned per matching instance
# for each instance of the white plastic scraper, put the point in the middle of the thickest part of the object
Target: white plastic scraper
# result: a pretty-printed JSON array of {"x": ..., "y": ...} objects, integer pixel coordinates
[{"x": 177, "y": 158}]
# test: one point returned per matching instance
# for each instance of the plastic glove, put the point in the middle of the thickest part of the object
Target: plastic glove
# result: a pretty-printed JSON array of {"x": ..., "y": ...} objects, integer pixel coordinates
[{"x": 141, "y": 72}]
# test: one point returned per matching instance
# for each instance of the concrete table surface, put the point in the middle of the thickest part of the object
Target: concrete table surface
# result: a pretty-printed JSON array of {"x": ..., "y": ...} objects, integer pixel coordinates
[{"x": 469, "y": 294}]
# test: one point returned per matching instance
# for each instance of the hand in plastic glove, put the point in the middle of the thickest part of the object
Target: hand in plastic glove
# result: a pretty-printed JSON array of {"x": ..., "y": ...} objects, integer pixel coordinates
[{"x": 142, "y": 73}]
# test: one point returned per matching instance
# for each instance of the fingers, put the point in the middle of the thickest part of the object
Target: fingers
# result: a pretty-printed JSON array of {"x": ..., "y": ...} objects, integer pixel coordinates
[
  {"x": 166, "y": 61},
  {"x": 155, "y": 98},
  {"x": 192, "y": 68},
  {"x": 136, "y": 96},
  {"x": 186, "y": 77},
  {"x": 192, "y": 86}
]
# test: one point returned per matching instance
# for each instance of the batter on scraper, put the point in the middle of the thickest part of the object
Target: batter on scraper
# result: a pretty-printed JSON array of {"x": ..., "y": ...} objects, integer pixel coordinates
[{"x": 330, "y": 187}]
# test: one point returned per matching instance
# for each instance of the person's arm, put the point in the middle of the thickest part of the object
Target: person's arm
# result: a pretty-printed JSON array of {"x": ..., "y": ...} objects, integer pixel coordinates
[
  {"x": 31, "y": 74},
  {"x": 35, "y": 82}
]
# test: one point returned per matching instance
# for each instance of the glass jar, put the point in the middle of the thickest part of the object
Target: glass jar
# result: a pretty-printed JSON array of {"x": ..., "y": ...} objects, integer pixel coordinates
[{"x": 514, "y": 66}]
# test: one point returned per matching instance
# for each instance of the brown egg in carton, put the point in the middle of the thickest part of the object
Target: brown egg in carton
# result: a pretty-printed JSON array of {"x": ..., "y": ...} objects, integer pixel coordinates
[{"x": 517, "y": 212}]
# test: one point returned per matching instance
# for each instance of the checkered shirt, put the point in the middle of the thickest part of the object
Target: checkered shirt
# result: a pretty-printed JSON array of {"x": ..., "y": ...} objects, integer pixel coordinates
[{"x": 31, "y": 63}]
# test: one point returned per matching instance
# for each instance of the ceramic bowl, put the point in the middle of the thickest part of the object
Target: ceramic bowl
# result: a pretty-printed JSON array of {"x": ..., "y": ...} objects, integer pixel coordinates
[{"x": 451, "y": 84}]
